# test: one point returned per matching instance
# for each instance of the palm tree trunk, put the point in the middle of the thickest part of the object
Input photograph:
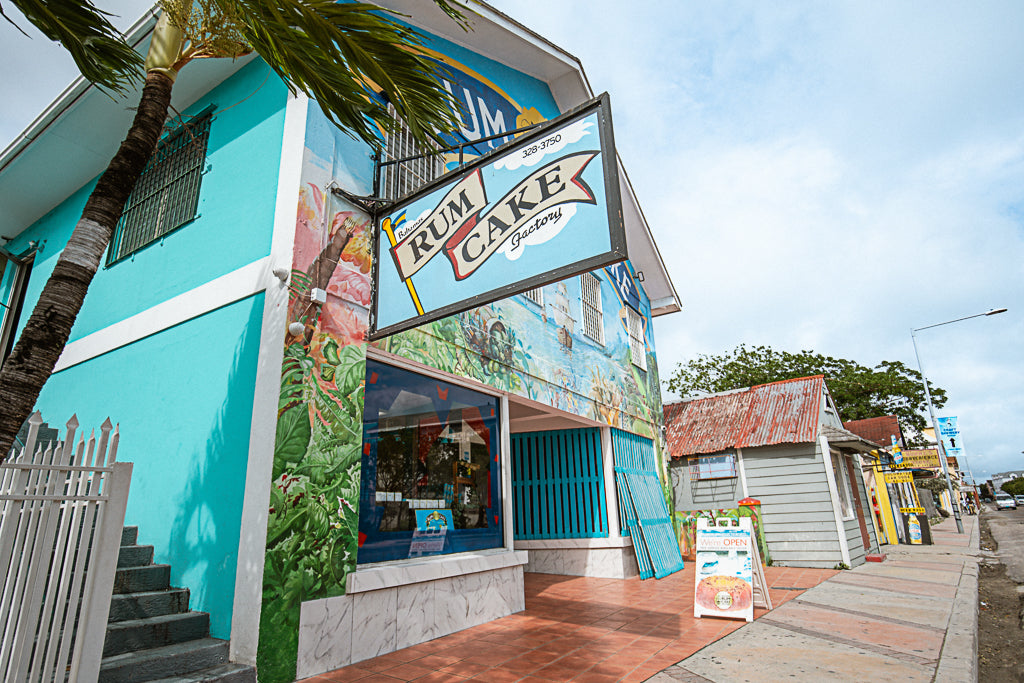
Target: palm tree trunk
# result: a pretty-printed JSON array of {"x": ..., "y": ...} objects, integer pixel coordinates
[{"x": 34, "y": 356}]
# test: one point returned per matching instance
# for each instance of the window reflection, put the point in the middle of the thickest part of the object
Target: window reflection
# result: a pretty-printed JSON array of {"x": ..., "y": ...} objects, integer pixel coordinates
[{"x": 431, "y": 473}]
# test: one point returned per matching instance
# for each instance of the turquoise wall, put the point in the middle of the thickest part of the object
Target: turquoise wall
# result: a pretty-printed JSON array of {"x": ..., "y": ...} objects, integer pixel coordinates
[
  {"x": 183, "y": 399},
  {"x": 236, "y": 210},
  {"x": 183, "y": 396}
]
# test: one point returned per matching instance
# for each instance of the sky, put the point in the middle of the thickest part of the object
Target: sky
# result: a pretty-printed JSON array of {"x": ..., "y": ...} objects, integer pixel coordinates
[{"x": 819, "y": 176}]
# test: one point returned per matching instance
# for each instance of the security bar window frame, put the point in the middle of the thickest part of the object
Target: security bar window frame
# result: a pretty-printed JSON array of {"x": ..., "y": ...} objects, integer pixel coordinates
[
  {"x": 593, "y": 314},
  {"x": 166, "y": 196},
  {"x": 637, "y": 345},
  {"x": 419, "y": 168}
]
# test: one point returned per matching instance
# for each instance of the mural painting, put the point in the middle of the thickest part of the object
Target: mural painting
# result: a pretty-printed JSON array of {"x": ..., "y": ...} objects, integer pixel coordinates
[
  {"x": 313, "y": 523},
  {"x": 536, "y": 351}
]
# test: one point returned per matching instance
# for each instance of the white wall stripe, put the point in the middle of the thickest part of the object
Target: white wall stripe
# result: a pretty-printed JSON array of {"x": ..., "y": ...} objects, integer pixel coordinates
[{"x": 234, "y": 286}]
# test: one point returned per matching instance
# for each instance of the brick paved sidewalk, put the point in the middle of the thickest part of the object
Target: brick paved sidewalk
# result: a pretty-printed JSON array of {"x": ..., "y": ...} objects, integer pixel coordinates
[
  {"x": 913, "y": 617},
  {"x": 578, "y": 629}
]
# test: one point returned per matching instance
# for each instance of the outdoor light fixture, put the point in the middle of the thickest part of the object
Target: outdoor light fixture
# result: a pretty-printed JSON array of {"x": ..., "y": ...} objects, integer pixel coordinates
[
  {"x": 931, "y": 411},
  {"x": 317, "y": 297}
]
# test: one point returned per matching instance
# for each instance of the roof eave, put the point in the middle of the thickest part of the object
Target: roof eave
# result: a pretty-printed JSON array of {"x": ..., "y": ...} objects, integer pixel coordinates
[
  {"x": 79, "y": 133},
  {"x": 82, "y": 145}
]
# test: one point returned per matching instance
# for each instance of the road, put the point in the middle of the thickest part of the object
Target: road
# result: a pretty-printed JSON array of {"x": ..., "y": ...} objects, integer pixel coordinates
[{"x": 1007, "y": 528}]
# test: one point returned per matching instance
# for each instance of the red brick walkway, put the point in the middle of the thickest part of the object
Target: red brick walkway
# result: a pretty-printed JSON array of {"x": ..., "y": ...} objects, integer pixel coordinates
[{"x": 578, "y": 629}]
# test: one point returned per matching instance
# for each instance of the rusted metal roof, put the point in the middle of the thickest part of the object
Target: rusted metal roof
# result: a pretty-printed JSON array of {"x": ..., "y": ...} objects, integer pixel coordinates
[
  {"x": 878, "y": 429},
  {"x": 763, "y": 415}
]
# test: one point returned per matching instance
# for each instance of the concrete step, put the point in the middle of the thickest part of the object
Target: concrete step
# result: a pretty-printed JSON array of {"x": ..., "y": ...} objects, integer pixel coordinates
[
  {"x": 155, "y": 577},
  {"x": 226, "y": 673},
  {"x": 154, "y": 664},
  {"x": 148, "y": 604},
  {"x": 129, "y": 535},
  {"x": 134, "y": 556},
  {"x": 143, "y": 634}
]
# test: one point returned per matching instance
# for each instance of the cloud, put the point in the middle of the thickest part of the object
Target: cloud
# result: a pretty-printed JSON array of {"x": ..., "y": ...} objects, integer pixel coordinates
[
  {"x": 545, "y": 147},
  {"x": 827, "y": 177}
]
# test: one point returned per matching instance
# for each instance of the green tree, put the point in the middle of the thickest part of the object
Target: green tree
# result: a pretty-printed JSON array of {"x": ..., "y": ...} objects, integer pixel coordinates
[
  {"x": 890, "y": 388},
  {"x": 338, "y": 53},
  {"x": 937, "y": 485},
  {"x": 1015, "y": 487}
]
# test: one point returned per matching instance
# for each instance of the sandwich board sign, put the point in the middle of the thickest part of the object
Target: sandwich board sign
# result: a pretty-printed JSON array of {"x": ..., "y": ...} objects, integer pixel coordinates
[
  {"x": 730, "y": 579},
  {"x": 539, "y": 209}
]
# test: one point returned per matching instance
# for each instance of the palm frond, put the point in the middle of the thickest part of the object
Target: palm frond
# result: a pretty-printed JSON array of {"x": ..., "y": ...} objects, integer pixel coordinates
[
  {"x": 344, "y": 54},
  {"x": 100, "y": 52}
]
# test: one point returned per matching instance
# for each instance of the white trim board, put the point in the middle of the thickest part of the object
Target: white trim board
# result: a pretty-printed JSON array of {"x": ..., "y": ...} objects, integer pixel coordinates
[
  {"x": 226, "y": 289},
  {"x": 252, "y": 543},
  {"x": 826, "y": 456}
]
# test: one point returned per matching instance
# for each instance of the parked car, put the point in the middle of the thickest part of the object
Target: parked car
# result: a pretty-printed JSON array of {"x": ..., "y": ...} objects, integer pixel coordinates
[
  {"x": 1018, "y": 499},
  {"x": 1004, "y": 501}
]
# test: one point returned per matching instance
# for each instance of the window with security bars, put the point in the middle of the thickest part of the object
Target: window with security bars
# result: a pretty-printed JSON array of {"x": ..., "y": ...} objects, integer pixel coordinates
[
  {"x": 593, "y": 323},
  {"x": 637, "y": 347},
  {"x": 167, "y": 194},
  {"x": 535, "y": 295},
  {"x": 402, "y": 178}
]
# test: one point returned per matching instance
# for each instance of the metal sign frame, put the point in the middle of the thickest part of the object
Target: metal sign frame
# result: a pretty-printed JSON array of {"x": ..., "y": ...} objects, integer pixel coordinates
[{"x": 613, "y": 200}]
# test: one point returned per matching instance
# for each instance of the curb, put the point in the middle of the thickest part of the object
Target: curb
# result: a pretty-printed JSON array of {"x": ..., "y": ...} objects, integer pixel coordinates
[{"x": 958, "y": 662}]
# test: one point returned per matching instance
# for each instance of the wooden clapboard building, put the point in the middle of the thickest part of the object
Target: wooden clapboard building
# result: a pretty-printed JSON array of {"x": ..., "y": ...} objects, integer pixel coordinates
[{"x": 784, "y": 445}]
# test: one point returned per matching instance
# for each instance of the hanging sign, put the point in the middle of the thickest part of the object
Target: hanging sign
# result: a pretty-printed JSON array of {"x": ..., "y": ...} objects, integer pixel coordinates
[
  {"x": 898, "y": 478},
  {"x": 897, "y": 452},
  {"x": 730, "y": 578},
  {"x": 537, "y": 210},
  {"x": 924, "y": 458}
]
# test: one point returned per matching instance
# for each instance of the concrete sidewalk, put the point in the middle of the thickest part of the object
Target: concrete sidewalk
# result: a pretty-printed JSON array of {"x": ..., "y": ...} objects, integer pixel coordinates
[{"x": 913, "y": 617}]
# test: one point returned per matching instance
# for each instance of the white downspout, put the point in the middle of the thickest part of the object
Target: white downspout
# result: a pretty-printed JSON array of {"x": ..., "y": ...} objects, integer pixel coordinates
[{"x": 826, "y": 454}]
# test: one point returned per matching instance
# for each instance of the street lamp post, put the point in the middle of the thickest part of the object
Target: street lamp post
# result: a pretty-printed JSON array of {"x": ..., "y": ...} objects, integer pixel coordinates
[{"x": 931, "y": 411}]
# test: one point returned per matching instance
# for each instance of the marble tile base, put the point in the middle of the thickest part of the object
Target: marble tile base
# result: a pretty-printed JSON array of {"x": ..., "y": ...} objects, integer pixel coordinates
[
  {"x": 336, "y": 632},
  {"x": 608, "y": 563}
]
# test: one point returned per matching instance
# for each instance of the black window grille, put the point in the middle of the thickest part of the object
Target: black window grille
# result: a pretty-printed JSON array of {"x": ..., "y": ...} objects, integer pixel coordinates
[
  {"x": 402, "y": 178},
  {"x": 167, "y": 194}
]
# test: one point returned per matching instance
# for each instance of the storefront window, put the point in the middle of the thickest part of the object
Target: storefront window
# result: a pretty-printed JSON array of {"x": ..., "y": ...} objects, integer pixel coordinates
[{"x": 431, "y": 474}]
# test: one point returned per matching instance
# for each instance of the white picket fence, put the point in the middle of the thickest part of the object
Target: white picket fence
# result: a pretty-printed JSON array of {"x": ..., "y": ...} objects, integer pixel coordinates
[{"x": 61, "y": 514}]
